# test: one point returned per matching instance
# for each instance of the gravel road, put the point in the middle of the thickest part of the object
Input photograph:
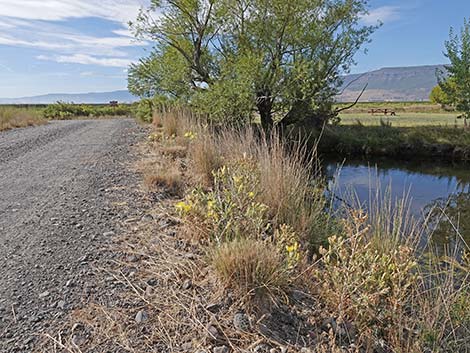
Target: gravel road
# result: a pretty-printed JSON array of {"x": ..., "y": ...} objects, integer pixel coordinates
[{"x": 60, "y": 187}]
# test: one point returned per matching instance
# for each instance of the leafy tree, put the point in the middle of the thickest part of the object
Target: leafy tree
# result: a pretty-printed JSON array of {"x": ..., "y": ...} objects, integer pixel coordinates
[
  {"x": 283, "y": 59},
  {"x": 438, "y": 96},
  {"x": 457, "y": 85}
]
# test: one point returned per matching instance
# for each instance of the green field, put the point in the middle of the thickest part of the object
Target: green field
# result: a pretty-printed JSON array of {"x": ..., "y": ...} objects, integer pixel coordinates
[
  {"x": 398, "y": 107},
  {"x": 406, "y": 119}
]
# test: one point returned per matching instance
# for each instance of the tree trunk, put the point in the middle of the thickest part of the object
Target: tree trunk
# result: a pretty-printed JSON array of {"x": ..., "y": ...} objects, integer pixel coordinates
[{"x": 265, "y": 107}]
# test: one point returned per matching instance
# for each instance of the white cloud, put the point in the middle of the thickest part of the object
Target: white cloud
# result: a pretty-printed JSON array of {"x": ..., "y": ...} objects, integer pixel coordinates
[
  {"x": 87, "y": 73},
  {"x": 42, "y": 24},
  {"x": 382, "y": 14},
  {"x": 85, "y": 59},
  {"x": 6, "y": 40},
  {"x": 57, "y": 10}
]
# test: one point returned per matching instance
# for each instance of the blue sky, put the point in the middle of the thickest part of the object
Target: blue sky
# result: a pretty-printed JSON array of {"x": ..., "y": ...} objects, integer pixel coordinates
[{"x": 72, "y": 46}]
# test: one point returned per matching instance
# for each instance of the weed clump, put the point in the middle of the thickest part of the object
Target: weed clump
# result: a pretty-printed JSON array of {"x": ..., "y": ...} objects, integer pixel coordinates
[
  {"x": 254, "y": 267},
  {"x": 19, "y": 117}
]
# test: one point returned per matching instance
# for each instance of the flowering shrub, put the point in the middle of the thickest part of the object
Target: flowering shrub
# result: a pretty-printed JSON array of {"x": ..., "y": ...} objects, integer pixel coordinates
[
  {"x": 362, "y": 282},
  {"x": 230, "y": 210}
]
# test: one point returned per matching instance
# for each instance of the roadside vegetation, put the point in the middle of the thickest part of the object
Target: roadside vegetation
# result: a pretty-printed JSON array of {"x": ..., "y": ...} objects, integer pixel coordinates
[
  {"x": 255, "y": 262},
  {"x": 19, "y": 117}
]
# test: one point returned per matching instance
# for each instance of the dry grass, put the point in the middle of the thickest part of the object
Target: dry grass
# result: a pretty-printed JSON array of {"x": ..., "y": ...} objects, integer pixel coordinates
[
  {"x": 175, "y": 151},
  {"x": 205, "y": 157},
  {"x": 169, "y": 179},
  {"x": 253, "y": 267},
  {"x": 163, "y": 174},
  {"x": 15, "y": 117}
]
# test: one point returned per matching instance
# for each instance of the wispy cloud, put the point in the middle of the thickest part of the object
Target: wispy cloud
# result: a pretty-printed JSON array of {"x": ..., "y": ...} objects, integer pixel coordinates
[
  {"x": 85, "y": 59},
  {"x": 42, "y": 24},
  {"x": 382, "y": 14},
  {"x": 57, "y": 10}
]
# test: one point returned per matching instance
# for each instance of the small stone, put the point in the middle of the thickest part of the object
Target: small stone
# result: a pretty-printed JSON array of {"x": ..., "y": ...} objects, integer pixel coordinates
[
  {"x": 190, "y": 256},
  {"x": 187, "y": 284},
  {"x": 147, "y": 218},
  {"x": 141, "y": 316},
  {"x": 221, "y": 349},
  {"x": 28, "y": 341},
  {"x": 148, "y": 291},
  {"x": 241, "y": 322},
  {"x": 305, "y": 350},
  {"x": 61, "y": 304},
  {"x": 44, "y": 294},
  {"x": 283, "y": 349},
  {"x": 261, "y": 348},
  {"x": 213, "y": 307},
  {"x": 108, "y": 234},
  {"x": 152, "y": 282},
  {"x": 132, "y": 258},
  {"x": 78, "y": 340},
  {"x": 187, "y": 346},
  {"x": 212, "y": 332}
]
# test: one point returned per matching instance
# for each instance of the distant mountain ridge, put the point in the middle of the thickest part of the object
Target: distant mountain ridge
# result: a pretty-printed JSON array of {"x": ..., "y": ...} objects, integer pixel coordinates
[
  {"x": 122, "y": 96},
  {"x": 413, "y": 83}
]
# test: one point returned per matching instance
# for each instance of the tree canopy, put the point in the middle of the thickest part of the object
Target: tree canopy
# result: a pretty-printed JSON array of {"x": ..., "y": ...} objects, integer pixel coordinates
[
  {"x": 438, "y": 96},
  {"x": 229, "y": 58},
  {"x": 455, "y": 82}
]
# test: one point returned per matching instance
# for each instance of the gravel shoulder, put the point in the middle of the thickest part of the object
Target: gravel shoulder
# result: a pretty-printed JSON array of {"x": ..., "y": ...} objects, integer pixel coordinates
[{"x": 61, "y": 186}]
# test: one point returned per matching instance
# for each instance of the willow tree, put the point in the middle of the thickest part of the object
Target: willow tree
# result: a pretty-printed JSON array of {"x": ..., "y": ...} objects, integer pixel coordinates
[
  {"x": 282, "y": 59},
  {"x": 455, "y": 81}
]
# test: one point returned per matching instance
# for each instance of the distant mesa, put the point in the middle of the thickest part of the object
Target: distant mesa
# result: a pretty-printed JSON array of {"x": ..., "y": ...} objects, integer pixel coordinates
[
  {"x": 412, "y": 83},
  {"x": 401, "y": 84},
  {"x": 123, "y": 96}
]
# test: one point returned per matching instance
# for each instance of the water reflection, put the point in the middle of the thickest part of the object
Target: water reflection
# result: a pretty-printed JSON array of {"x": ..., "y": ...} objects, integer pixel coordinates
[{"x": 431, "y": 188}]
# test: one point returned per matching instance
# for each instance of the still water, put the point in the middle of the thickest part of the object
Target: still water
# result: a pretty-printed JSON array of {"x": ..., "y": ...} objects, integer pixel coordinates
[{"x": 428, "y": 185}]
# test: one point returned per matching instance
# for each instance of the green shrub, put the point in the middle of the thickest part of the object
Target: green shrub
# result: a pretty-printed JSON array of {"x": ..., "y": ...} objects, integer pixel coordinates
[
  {"x": 145, "y": 110},
  {"x": 230, "y": 211},
  {"x": 63, "y": 111}
]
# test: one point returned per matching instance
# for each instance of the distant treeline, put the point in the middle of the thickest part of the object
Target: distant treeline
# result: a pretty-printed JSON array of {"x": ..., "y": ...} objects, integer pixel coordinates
[
  {"x": 62, "y": 110},
  {"x": 45, "y": 105}
]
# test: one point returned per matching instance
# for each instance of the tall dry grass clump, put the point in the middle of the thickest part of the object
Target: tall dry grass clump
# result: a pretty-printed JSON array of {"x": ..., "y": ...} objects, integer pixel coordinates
[
  {"x": 18, "y": 117},
  {"x": 292, "y": 188},
  {"x": 254, "y": 266}
]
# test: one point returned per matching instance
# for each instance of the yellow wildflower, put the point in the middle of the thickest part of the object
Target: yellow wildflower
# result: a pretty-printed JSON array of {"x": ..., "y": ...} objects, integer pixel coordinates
[
  {"x": 183, "y": 207},
  {"x": 190, "y": 135}
]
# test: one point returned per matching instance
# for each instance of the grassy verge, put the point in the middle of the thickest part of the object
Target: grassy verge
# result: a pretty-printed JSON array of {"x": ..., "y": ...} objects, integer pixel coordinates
[
  {"x": 241, "y": 256},
  {"x": 398, "y": 107},
  {"x": 397, "y": 142},
  {"x": 14, "y": 117},
  {"x": 407, "y": 119}
]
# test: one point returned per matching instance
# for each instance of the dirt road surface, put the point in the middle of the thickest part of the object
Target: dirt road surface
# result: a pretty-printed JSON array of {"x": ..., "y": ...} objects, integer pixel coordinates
[{"x": 59, "y": 187}]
